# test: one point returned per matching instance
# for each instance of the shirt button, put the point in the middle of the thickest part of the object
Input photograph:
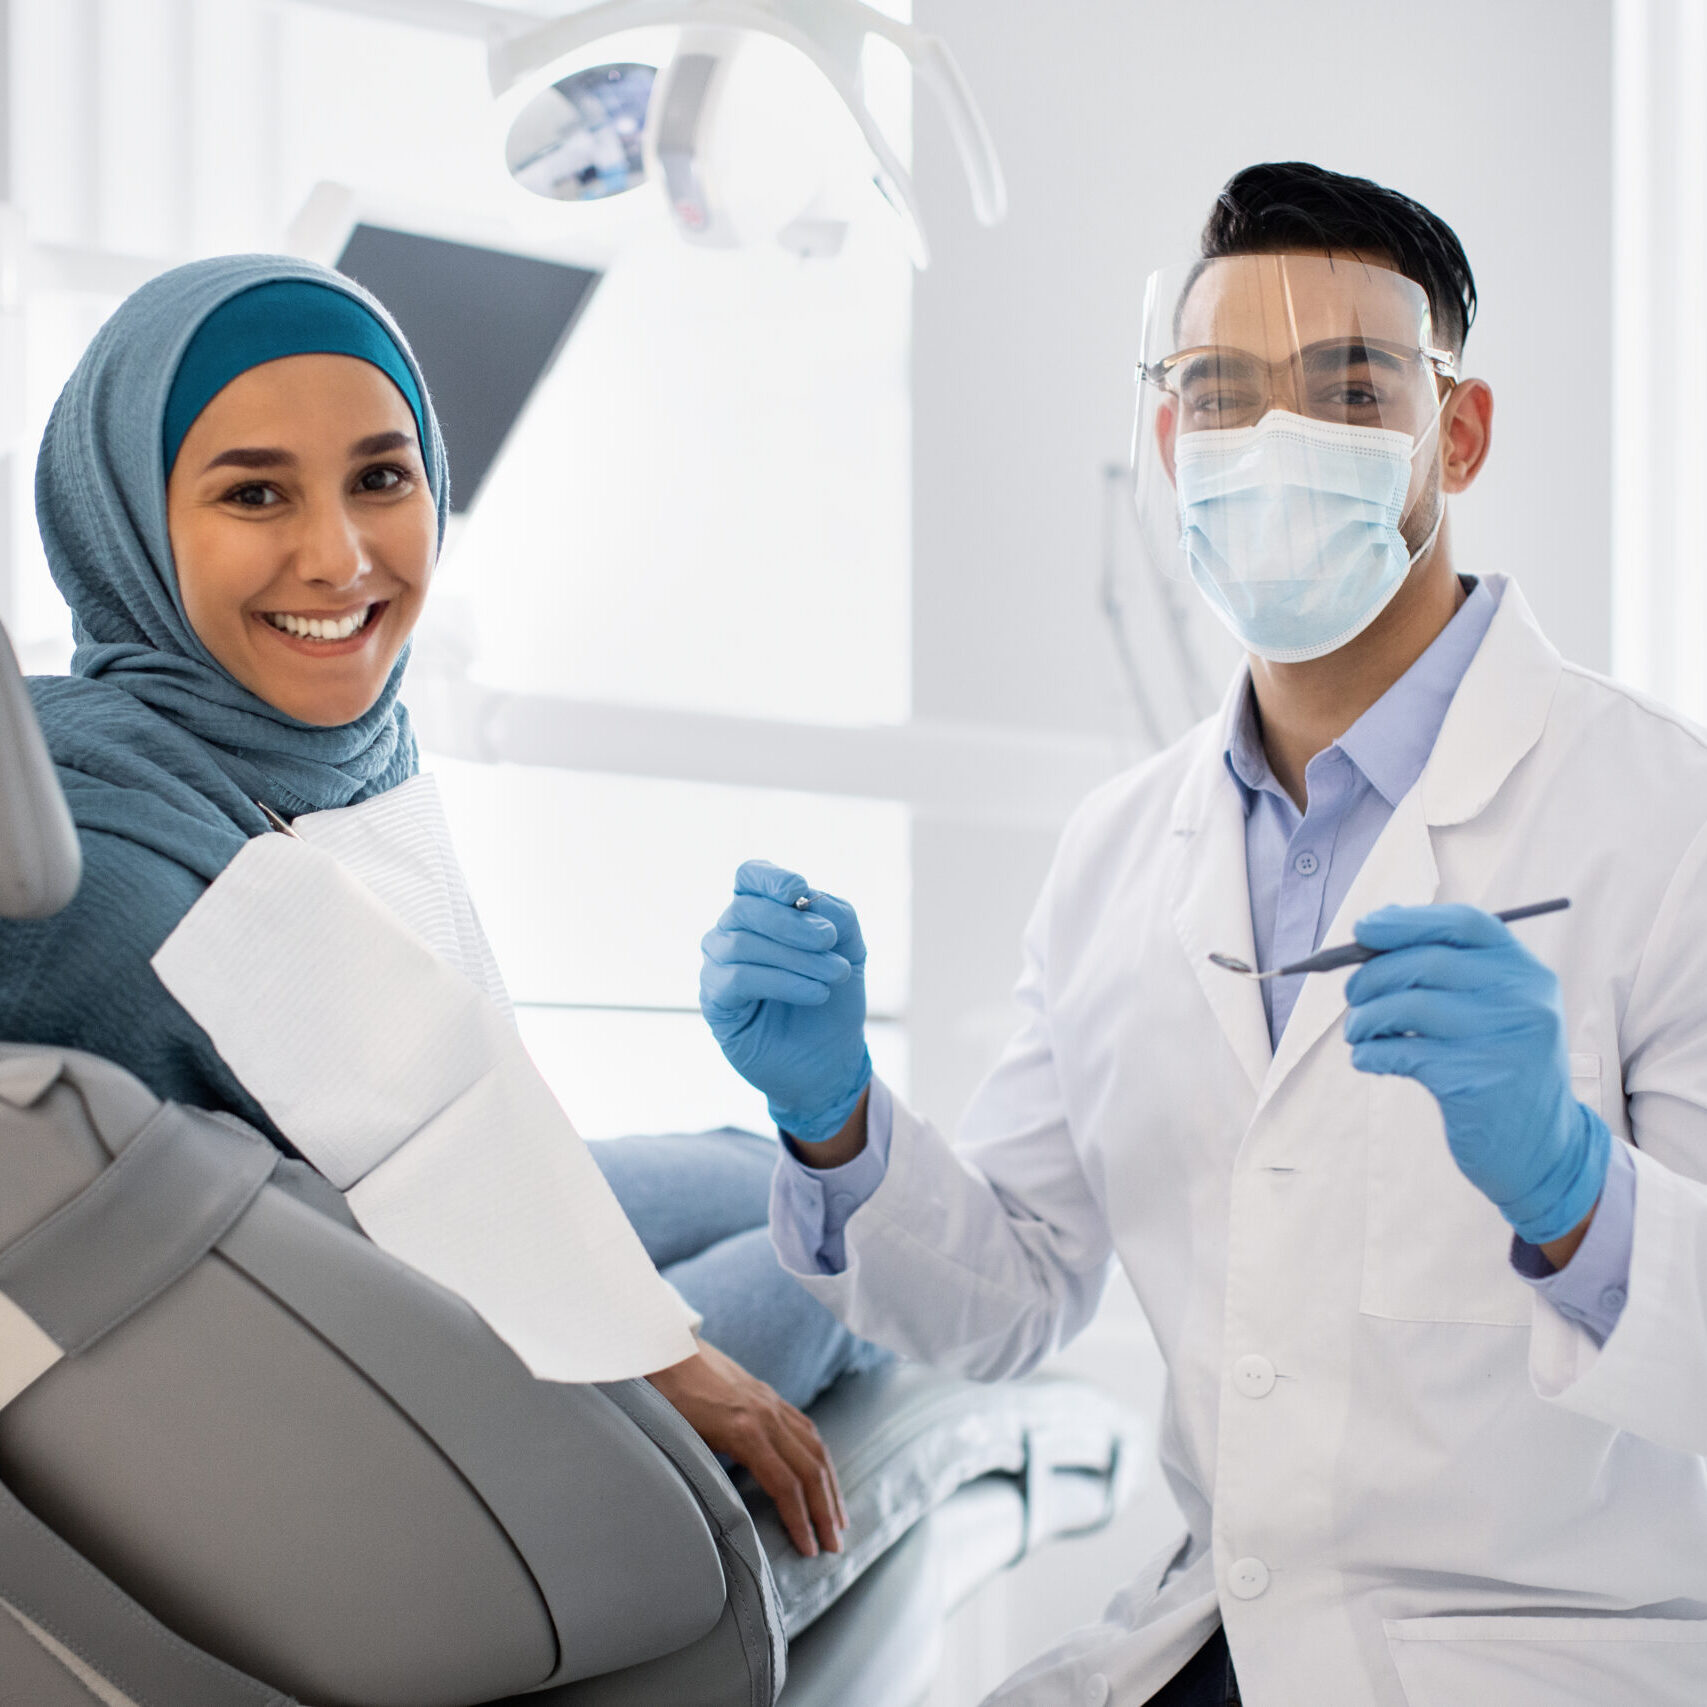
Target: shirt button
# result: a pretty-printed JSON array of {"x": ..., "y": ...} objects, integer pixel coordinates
[
  {"x": 1096, "y": 1691},
  {"x": 1254, "y": 1375},
  {"x": 1247, "y": 1579},
  {"x": 1613, "y": 1298},
  {"x": 1306, "y": 864}
]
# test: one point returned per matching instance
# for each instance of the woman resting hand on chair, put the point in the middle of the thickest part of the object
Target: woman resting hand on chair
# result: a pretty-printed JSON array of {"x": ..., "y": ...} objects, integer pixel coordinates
[{"x": 242, "y": 497}]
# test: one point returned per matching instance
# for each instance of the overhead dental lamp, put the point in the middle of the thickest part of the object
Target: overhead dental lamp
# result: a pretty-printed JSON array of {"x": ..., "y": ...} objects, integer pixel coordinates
[{"x": 720, "y": 134}]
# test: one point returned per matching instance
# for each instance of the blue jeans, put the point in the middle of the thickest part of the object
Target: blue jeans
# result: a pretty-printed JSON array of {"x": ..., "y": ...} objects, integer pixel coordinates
[{"x": 701, "y": 1202}]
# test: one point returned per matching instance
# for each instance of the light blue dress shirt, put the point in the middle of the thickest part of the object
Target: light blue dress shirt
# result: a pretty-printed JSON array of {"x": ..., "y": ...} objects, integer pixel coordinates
[{"x": 1300, "y": 866}]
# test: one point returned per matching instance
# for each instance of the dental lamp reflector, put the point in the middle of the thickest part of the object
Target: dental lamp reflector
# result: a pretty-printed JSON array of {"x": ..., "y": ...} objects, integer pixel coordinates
[
  {"x": 726, "y": 129},
  {"x": 580, "y": 139}
]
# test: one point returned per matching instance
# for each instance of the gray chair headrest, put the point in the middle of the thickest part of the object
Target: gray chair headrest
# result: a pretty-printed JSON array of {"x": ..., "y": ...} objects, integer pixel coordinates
[{"x": 40, "y": 860}]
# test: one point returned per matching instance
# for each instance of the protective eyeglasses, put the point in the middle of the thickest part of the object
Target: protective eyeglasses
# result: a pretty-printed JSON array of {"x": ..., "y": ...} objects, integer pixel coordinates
[{"x": 1358, "y": 381}]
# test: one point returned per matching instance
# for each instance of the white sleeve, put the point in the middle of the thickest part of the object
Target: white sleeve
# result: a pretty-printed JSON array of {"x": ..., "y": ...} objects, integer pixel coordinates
[
  {"x": 984, "y": 1256},
  {"x": 1650, "y": 1376}
]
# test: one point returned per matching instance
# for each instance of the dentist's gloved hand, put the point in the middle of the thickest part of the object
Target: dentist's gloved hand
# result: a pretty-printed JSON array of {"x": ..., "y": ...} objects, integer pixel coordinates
[
  {"x": 1461, "y": 1006},
  {"x": 784, "y": 994}
]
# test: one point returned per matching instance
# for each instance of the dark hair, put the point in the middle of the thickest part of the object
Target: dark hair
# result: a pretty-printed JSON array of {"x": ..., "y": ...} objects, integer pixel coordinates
[{"x": 1288, "y": 204}]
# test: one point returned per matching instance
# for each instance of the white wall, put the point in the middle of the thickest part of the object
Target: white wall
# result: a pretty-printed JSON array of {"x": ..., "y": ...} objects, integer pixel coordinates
[
  {"x": 1659, "y": 615},
  {"x": 1117, "y": 122}
]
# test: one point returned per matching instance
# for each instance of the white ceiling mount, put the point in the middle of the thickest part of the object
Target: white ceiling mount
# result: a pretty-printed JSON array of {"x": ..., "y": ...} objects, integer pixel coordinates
[
  {"x": 830, "y": 33},
  {"x": 446, "y": 17}
]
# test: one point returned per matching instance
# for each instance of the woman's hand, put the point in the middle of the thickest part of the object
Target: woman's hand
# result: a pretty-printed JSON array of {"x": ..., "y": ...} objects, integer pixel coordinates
[{"x": 735, "y": 1413}]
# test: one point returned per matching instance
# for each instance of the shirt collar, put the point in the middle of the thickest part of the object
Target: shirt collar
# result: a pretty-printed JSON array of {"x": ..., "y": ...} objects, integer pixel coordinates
[
  {"x": 1247, "y": 763},
  {"x": 1390, "y": 743}
]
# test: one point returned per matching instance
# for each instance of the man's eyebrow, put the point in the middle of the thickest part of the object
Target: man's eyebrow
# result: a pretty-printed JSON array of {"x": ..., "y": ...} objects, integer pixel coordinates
[
  {"x": 1351, "y": 352},
  {"x": 252, "y": 457},
  {"x": 1209, "y": 363},
  {"x": 377, "y": 443}
]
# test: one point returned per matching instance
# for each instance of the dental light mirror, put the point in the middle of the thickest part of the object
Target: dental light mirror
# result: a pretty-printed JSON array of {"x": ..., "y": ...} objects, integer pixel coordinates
[
  {"x": 581, "y": 138},
  {"x": 831, "y": 34}
]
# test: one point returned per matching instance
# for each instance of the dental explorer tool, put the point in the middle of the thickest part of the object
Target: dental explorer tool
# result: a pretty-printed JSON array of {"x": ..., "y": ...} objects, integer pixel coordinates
[
  {"x": 1354, "y": 953},
  {"x": 275, "y": 820}
]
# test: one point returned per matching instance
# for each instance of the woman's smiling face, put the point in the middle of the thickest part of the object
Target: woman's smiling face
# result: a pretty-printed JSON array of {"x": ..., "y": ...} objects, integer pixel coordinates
[{"x": 304, "y": 532}]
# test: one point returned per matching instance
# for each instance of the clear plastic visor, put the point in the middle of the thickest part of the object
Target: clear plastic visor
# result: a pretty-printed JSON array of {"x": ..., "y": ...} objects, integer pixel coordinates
[{"x": 1329, "y": 340}]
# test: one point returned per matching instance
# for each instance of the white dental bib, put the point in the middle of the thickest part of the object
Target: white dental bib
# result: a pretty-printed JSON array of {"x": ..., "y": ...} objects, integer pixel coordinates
[{"x": 343, "y": 976}]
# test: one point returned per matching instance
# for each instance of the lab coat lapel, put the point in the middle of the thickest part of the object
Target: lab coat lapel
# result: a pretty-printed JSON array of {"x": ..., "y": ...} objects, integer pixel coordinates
[
  {"x": 1496, "y": 717},
  {"x": 1211, "y": 897},
  {"x": 1498, "y": 714},
  {"x": 1399, "y": 871}
]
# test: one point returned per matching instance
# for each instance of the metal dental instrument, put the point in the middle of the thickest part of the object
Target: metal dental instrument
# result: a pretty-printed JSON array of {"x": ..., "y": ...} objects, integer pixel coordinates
[
  {"x": 275, "y": 820},
  {"x": 1354, "y": 953}
]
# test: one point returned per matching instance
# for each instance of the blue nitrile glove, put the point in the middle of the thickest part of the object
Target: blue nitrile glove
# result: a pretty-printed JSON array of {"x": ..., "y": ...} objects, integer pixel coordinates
[
  {"x": 1462, "y": 1007},
  {"x": 783, "y": 991}
]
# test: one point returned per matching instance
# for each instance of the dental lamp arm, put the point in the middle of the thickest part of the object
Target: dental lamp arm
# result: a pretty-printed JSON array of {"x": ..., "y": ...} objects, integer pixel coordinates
[{"x": 831, "y": 34}]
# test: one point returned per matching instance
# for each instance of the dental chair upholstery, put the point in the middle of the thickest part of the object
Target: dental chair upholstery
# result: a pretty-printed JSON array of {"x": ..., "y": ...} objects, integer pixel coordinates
[{"x": 248, "y": 1459}]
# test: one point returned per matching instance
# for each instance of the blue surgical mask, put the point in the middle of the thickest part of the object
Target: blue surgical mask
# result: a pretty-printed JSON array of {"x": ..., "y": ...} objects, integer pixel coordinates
[{"x": 1291, "y": 529}]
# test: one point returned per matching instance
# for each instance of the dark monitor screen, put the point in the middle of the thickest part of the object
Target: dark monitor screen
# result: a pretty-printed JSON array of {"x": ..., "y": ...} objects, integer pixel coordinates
[{"x": 485, "y": 325}]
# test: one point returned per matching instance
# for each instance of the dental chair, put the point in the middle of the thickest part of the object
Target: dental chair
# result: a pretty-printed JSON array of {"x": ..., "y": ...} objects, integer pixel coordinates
[{"x": 247, "y": 1459}]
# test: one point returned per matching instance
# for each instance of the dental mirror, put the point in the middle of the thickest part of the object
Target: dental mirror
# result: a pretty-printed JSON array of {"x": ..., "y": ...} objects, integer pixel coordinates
[{"x": 1231, "y": 963}]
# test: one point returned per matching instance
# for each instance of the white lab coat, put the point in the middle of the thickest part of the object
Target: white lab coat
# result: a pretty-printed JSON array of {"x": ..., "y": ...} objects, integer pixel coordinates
[{"x": 1408, "y": 1480}]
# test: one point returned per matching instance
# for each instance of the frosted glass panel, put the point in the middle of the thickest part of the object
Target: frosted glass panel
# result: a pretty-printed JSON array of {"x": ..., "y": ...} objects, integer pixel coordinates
[
  {"x": 57, "y": 328},
  {"x": 597, "y": 889},
  {"x": 383, "y": 107},
  {"x": 617, "y": 1073},
  {"x": 707, "y": 504}
]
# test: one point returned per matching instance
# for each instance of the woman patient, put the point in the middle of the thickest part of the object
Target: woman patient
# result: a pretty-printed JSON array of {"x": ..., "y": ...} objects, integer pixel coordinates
[{"x": 242, "y": 493}]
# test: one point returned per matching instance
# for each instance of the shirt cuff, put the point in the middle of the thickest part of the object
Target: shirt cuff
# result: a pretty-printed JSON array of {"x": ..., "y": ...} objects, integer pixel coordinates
[
  {"x": 811, "y": 1207},
  {"x": 1592, "y": 1287}
]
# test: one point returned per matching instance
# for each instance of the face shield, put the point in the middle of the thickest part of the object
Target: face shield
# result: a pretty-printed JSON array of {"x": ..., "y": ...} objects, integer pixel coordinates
[{"x": 1284, "y": 448}]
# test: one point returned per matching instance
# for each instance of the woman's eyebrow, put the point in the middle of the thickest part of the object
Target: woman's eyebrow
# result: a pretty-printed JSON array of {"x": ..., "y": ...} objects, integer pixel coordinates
[
  {"x": 246, "y": 457},
  {"x": 379, "y": 442}
]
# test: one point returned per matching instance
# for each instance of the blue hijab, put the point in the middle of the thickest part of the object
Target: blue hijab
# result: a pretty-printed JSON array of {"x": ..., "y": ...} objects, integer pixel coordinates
[{"x": 163, "y": 754}]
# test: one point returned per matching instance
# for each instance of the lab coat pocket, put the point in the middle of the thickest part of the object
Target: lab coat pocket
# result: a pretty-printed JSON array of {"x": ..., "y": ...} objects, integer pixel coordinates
[
  {"x": 1531, "y": 1661},
  {"x": 1435, "y": 1249}
]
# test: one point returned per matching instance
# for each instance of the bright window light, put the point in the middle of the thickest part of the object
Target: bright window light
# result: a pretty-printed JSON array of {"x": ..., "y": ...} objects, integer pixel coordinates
[
  {"x": 706, "y": 506},
  {"x": 595, "y": 892},
  {"x": 617, "y": 1073},
  {"x": 597, "y": 889}
]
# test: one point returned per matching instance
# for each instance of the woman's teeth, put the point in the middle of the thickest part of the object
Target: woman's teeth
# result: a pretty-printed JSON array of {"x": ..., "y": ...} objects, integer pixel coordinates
[{"x": 319, "y": 628}]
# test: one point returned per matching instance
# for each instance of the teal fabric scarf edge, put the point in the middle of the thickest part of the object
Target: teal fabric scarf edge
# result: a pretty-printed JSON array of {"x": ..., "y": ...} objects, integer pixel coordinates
[{"x": 289, "y": 317}]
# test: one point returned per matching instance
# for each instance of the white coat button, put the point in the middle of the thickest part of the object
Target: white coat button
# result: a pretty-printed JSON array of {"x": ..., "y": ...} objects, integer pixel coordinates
[
  {"x": 1254, "y": 1375},
  {"x": 1306, "y": 864},
  {"x": 1096, "y": 1691},
  {"x": 1247, "y": 1579}
]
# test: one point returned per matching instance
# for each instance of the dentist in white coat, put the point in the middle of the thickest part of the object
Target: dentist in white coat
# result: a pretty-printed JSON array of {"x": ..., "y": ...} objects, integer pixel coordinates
[{"x": 1425, "y": 1247}]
